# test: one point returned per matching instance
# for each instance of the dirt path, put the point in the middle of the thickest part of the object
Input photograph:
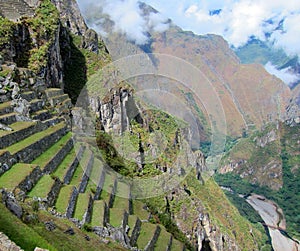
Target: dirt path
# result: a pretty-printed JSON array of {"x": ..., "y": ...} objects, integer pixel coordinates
[{"x": 273, "y": 216}]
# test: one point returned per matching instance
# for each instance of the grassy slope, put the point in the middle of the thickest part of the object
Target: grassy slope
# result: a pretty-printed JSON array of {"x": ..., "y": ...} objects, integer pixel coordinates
[
  {"x": 259, "y": 52},
  {"x": 31, "y": 235},
  {"x": 212, "y": 200},
  {"x": 254, "y": 161},
  {"x": 20, "y": 233}
]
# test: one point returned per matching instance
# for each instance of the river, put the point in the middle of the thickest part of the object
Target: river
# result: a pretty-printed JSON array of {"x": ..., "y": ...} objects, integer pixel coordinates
[{"x": 273, "y": 217}]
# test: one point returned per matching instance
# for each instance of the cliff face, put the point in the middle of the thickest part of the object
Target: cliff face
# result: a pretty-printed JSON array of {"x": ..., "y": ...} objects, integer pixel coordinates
[
  {"x": 293, "y": 109},
  {"x": 71, "y": 17},
  {"x": 43, "y": 42}
]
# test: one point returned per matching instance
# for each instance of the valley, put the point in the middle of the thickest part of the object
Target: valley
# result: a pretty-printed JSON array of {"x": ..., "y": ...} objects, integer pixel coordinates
[
  {"x": 110, "y": 144},
  {"x": 274, "y": 219}
]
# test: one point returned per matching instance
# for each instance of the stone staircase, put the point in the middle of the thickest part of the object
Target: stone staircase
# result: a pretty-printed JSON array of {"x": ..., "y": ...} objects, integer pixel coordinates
[
  {"x": 40, "y": 158},
  {"x": 15, "y": 9}
]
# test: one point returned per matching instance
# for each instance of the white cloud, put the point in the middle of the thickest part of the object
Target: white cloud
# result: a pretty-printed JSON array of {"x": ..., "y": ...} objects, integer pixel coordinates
[
  {"x": 157, "y": 22},
  {"x": 238, "y": 21},
  {"x": 285, "y": 75},
  {"x": 289, "y": 38},
  {"x": 127, "y": 17}
]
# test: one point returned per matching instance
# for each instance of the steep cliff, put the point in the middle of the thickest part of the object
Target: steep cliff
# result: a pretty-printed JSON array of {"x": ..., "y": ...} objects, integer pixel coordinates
[{"x": 52, "y": 43}]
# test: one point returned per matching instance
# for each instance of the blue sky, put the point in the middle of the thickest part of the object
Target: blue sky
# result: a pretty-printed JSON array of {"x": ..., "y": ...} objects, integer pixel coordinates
[{"x": 275, "y": 21}]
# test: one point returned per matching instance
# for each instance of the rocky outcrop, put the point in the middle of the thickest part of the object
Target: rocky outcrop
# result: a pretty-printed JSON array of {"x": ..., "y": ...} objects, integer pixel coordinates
[
  {"x": 211, "y": 238},
  {"x": 71, "y": 16},
  {"x": 11, "y": 203},
  {"x": 194, "y": 221},
  {"x": 116, "y": 110},
  {"x": 293, "y": 109},
  {"x": 53, "y": 73}
]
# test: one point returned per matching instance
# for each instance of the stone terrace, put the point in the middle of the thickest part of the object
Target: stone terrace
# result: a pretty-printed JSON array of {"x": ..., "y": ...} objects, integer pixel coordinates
[{"x": 39, "y": 157}]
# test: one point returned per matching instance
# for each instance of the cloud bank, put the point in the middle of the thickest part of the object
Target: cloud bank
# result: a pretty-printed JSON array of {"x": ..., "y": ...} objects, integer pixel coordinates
[
  {"x": 128, "y": 18},
  {"x": 276, "y": 21},
  {"x": 285, "y": 75}
]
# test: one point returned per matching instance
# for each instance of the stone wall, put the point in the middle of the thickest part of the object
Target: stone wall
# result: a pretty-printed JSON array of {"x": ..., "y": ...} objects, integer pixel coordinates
[
  {"x": 29, "y": 182},
  {"x": 88, "y": 214},
  {"x": 58, "y": 158},
  {"x": 29, "y": 153},
  {"x": 6, "y": 162},
  {"x": 86, "y": 175},
  {"x": 135, "y": 232},
  {"x": 72, "y": 202},
  {"x": 7, "y": 245},
  {"x": 112, "y": 195},
  {"x": 100, "y": 185},
  {"x": 53, "y": 194},
  {"x": 16, "y": 136},
  {"x": 151, "y": 244},
  {"x": 73, "y": 166}
]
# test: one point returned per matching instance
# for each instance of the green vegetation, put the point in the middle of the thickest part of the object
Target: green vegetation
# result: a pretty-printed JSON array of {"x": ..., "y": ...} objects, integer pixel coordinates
[
  {"x": 45, "y": 157},
  {"x": 222, "y": 213},
  {"x": 163, "y": 217},
  {"x": 4, "y": 72},
  {"x": 109, "y": 153},
  {"x": 257, "y": 51},
  {"x": 10, "y": 180},
  {"x": 34, "y": 234},
  {"x": 42, "y": 188},
  {"x": 98, "y": 213},
  {"x": 44, "y": 26},
  {"x": 139, "y": 210},
  {"x": 81, "y": 168},
  {"x": 63, "y": 198},
  {"x": 6, "y": 31},
  {"x": 38, "y": 58},
  {"x": 17, "y": 127},
  {"x": 81, "y": 205},
  {"x": 78, "y": 241},
  {"x": 147, "y": 231},
  {"x": 131, "y": 223},
  {"x": 205, "y": 146},
  {"x": 46, "y": 20},
  {"x": 163, "y": 239},
  {"x": 116, "y": 216},
  {"x": 62, "y": 169},
  {"x": 20, "y": 233},
  {"x": 161, "y": 132},
  {"x": 34, "y": 138},
  {"x": 288, "y": 197}
]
